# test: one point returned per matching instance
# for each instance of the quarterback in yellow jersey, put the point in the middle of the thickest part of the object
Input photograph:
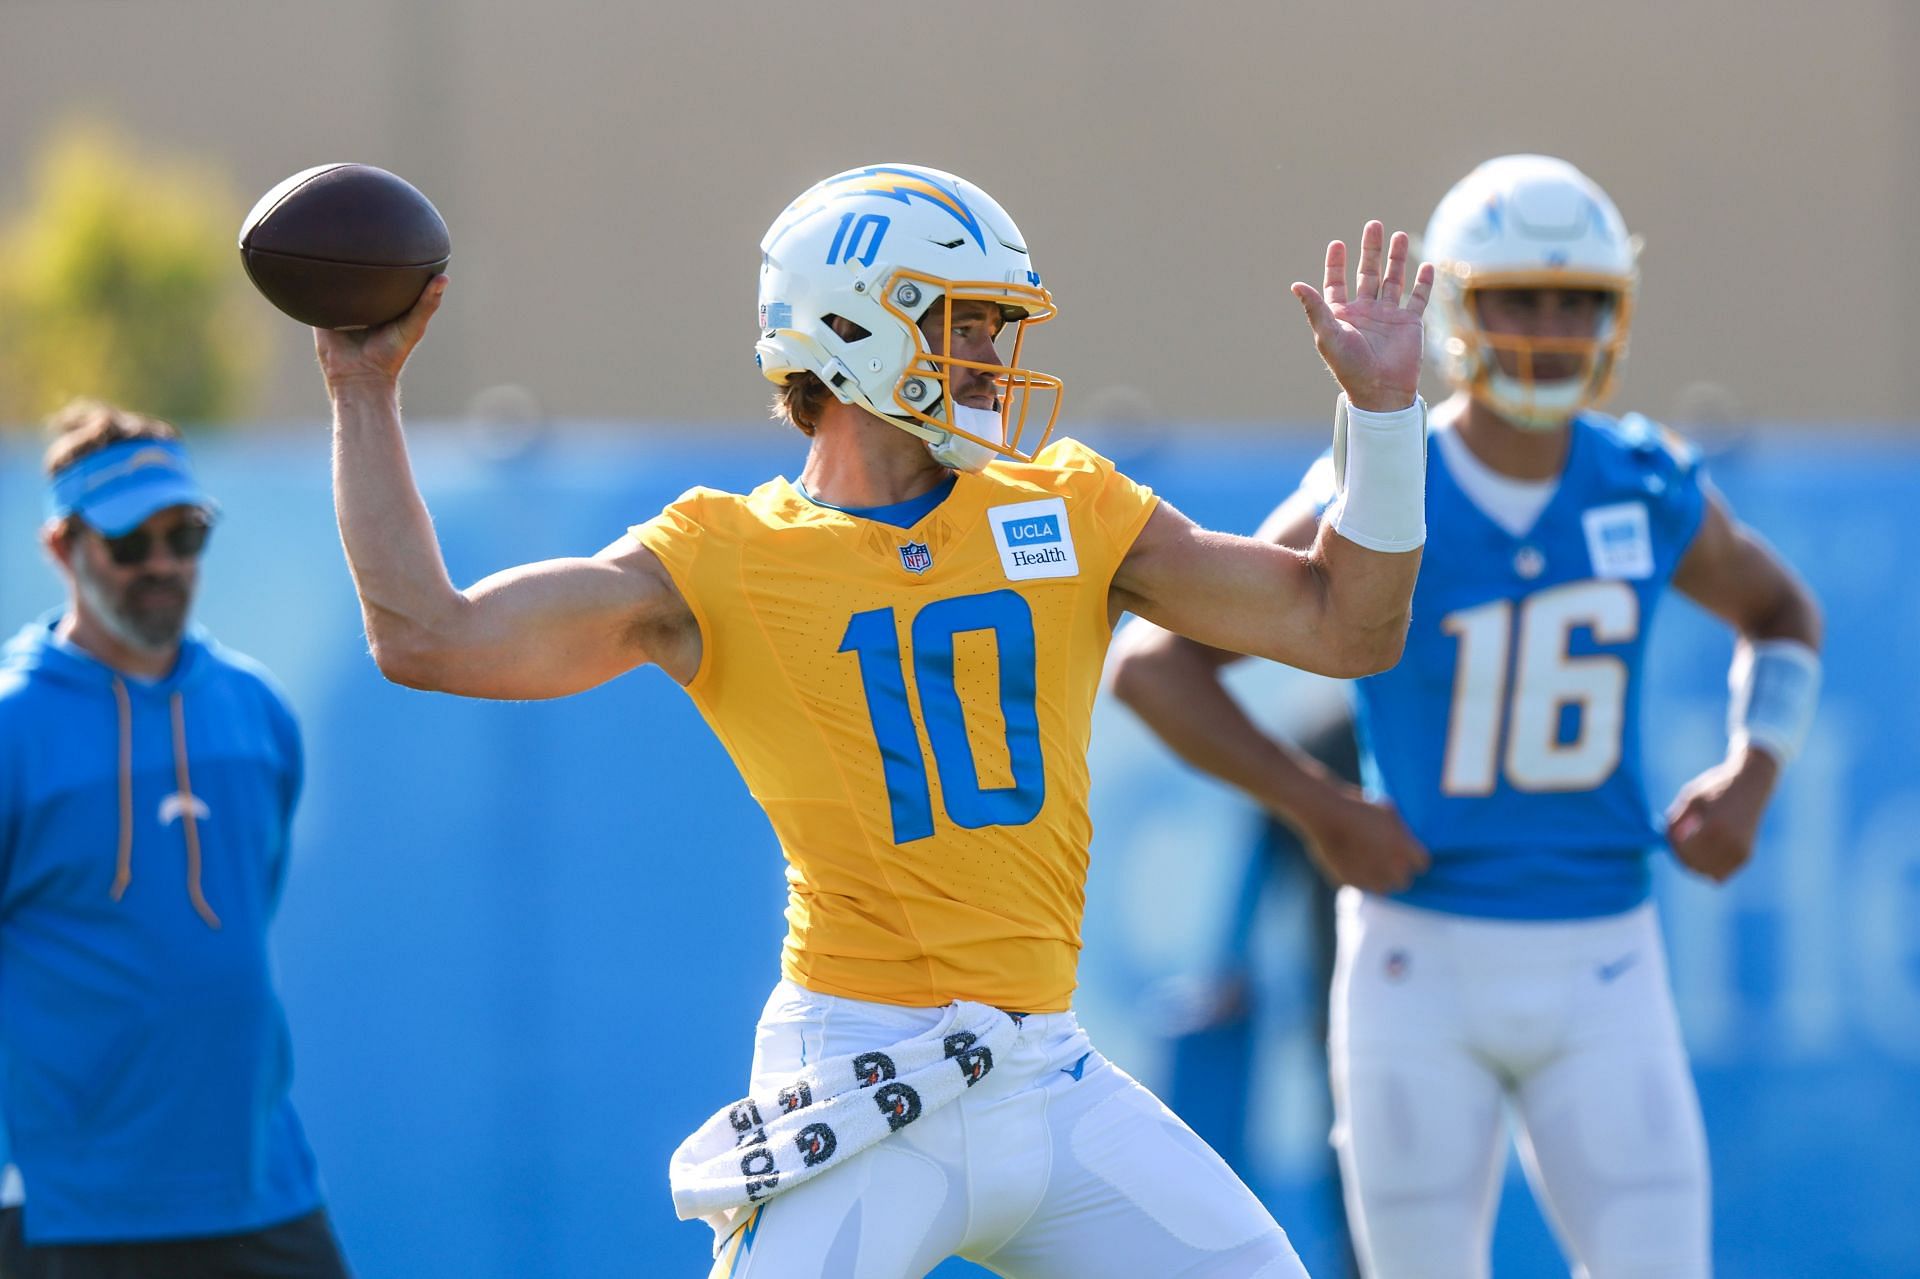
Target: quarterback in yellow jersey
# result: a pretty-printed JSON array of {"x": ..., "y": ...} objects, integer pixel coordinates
[
  {"x": 900, "y": 650},
  {"x": 911, "y": 706}
]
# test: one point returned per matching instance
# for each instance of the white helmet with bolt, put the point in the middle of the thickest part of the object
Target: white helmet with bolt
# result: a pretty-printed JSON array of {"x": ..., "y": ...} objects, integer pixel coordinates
[
  {"x": 878, "y": 248},
  {"x": 1528, "y": 222}
]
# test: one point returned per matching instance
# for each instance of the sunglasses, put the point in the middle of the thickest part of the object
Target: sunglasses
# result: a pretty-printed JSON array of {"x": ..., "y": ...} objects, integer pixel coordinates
[{"x": 186, "y": 541}]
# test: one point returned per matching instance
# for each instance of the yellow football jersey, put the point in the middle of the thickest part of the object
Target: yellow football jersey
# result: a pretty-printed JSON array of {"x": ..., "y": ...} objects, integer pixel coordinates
[{"x": 911, "y": 707}]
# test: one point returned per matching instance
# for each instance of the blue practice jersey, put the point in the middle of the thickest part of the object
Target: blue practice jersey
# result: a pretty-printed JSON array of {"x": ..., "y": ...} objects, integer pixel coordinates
[{"x": 1509, "y": 734}]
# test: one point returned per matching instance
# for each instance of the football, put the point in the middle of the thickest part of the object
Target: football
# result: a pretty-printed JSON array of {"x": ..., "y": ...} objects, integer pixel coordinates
[{"x": 343, "y": 246}]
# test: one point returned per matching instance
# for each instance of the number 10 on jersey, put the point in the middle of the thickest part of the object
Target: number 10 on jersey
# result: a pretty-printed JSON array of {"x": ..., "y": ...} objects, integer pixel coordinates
[{"x": 874, "y": 636}]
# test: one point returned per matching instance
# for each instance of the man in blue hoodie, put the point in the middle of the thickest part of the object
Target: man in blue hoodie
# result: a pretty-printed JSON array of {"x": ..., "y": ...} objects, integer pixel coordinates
[{"x": 147, "y": 787}]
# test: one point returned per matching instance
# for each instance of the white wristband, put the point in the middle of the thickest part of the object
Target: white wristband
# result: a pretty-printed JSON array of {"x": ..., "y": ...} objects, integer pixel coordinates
[
  {"x": 1380, "y": 476},
  {"x": 1775, "y": 685}
]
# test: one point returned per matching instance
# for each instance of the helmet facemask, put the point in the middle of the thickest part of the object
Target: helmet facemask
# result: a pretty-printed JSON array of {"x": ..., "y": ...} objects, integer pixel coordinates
[
  {"x": 959, "y": 435},
  {"x": 1522, "y": 396}
]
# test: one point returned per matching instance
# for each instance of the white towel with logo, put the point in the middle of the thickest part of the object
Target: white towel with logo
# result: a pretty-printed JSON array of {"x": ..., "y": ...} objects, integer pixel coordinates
[{"x": 827, "y": 1113}]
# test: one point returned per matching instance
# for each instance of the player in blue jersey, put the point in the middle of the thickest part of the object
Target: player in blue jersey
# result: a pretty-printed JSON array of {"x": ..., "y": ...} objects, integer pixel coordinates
[{"x": 1497, "y": 946}]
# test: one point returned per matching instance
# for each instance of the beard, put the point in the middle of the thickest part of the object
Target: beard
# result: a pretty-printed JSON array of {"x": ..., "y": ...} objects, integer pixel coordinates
[{"x": 148, "y": 613}]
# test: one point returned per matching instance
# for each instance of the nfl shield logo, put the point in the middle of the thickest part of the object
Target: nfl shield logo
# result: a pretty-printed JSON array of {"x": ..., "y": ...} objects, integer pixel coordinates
[{"x": 915, "y": 557}]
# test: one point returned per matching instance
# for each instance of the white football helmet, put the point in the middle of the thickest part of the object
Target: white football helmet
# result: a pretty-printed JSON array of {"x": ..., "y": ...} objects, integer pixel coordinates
[
  {"x": 880, "y": 246},
  {"x": 1528, "y": 221}
]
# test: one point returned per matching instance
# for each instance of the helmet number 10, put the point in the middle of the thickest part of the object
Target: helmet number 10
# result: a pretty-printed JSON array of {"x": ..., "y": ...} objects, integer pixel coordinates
[
  {"x": 857, "y": 232},
  {"x": 874, "y": 637}
]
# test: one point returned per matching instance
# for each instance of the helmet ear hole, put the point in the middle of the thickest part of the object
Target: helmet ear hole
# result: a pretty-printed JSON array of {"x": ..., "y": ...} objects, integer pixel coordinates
[{"x": 847, "y": 329}]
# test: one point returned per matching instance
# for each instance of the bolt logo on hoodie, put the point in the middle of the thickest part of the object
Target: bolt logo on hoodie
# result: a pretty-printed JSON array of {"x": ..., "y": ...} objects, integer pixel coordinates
[{"x": 177, "y": 804}]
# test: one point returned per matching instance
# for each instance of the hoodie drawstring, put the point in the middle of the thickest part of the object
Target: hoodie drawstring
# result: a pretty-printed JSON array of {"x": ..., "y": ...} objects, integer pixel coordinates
[
  {"x": 186, "y": 809},
  {"x": 183, "y": 779},
  {"x": 123, "y": 863}
]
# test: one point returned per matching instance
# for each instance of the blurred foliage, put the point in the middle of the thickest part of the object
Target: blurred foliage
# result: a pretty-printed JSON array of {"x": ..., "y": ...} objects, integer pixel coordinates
[{"x": 119, "y": 280}]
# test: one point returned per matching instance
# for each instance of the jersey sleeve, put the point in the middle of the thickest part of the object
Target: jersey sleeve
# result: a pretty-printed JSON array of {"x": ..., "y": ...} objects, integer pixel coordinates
[
  {"x": 1117, "y": 507},
  {"x": 675, "y": 534},
  {"x": 689, "y": 538},
  {"x": 1677, "y": 486}
]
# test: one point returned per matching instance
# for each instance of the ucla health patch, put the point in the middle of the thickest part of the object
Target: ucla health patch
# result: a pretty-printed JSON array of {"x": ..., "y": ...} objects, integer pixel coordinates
[
  {"x": 1035, "y": 539},
  {"x": 1619, "y": 540}
]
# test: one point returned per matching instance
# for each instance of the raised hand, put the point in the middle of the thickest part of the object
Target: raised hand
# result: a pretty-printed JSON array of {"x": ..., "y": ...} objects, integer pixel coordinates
[
  {"x": 376, "y": 355},
  {"x": 1371, "y": 342}
]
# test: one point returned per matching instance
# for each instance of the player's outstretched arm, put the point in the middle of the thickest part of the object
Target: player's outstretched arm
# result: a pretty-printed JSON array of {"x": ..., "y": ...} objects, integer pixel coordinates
[
  {"x": 1335, "y": 609},
  {"x": 1339, "y": 607},
  {"x": 1174, "y": 684},
  {"x": 541, "y": 630},
  {"x": 1728, "y": 570}
]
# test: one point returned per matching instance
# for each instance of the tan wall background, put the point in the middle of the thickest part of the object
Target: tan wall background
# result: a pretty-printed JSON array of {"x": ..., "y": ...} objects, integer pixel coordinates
[{"x": 607, "y": 169}]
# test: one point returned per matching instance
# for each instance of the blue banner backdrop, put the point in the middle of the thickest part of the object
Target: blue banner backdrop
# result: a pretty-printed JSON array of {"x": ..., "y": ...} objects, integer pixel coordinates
[{"x": 523, "y": 945}]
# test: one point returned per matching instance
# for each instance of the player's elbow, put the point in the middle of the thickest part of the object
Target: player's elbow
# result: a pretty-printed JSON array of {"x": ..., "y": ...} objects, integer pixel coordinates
[
  {"x": 1810, "y": 622},
  {"x": 1146, "y": 662},
  {"x": 1362, "y": 652},
  {"x": 1791, "y": 612},
  {"x": 402, "y": 664},
  {"x": 1130, "y": 675},
  {"x": 411, "y": 656},
  {"x": 1383, "y": 651}
]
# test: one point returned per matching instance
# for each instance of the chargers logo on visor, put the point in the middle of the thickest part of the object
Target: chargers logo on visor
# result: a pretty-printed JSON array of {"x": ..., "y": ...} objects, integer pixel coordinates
[{"x": 117, "y": 488}]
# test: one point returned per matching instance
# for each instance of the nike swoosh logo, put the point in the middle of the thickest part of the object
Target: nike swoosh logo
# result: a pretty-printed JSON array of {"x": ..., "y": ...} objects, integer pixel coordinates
[
  {"x": 1607, "y": 972},
  {"x": 1077, "y": 1067}
]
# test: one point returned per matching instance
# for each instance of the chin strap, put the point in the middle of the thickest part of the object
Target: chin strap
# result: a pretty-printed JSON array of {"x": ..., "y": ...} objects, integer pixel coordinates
[
  {"x": 960, "y": 453},
  {"x": 1532, "y": 408}
]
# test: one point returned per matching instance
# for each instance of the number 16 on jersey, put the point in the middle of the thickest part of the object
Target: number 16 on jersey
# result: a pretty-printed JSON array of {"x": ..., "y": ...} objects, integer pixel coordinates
[{"x": 1523, "y": 674}]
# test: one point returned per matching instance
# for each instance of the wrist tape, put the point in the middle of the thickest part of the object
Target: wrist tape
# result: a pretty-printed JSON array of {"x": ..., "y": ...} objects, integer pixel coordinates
[
  {"x": 1380, "y": 476},
  {"x": 1775, "y": 686}
]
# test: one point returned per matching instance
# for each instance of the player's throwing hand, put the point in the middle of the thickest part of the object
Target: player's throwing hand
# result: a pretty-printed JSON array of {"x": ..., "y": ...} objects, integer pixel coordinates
[
  {"x": 377, "y": 354},
  {"x": 1370, "y": 341}
]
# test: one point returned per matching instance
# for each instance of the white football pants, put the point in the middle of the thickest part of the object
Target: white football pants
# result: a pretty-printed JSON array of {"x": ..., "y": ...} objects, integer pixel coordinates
[
  {"x": 1057, "y": 1165},
  {"x": 1441, "y": 1022}
]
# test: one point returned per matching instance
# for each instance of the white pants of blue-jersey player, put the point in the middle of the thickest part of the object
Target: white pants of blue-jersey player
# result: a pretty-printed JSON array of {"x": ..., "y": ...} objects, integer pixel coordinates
[
  {"x": 1442, "y": 1024},
  {"x": 1057, "y": 1165}
]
